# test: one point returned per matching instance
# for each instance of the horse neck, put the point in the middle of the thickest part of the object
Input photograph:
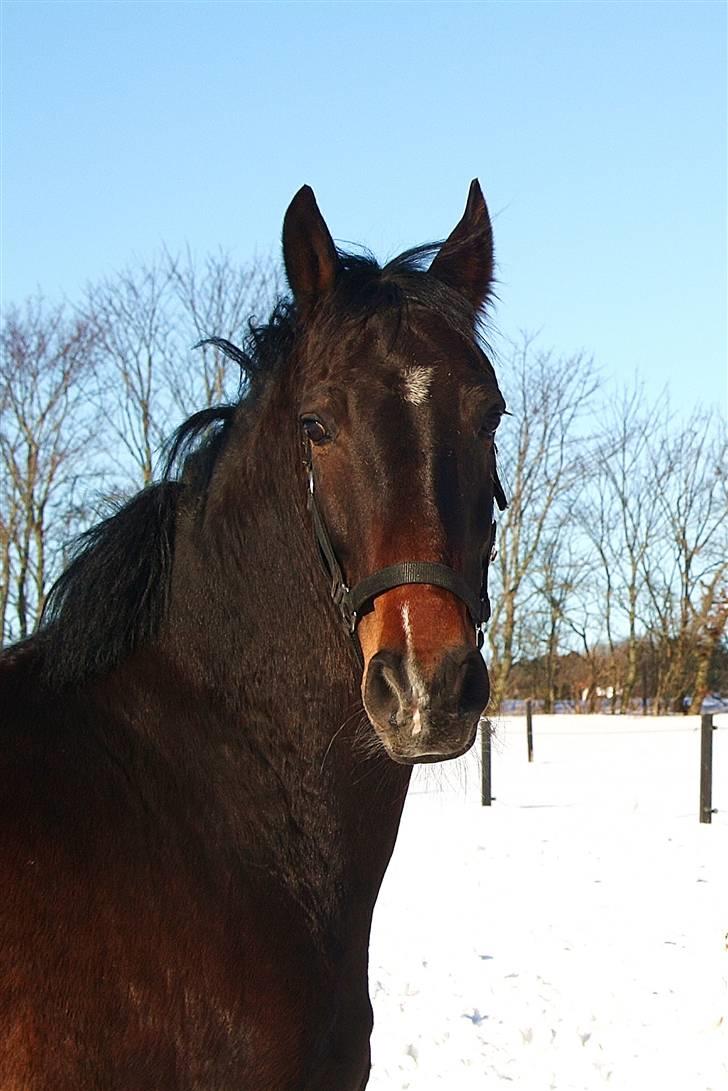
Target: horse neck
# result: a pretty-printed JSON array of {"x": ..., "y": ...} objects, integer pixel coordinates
[
  {"x": 248, "y": 596},
  {"x": 252, "y": 621}
]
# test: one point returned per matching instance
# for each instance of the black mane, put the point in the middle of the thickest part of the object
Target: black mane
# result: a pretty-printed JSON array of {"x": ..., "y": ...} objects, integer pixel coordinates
[{"x": 113, "y": 595}]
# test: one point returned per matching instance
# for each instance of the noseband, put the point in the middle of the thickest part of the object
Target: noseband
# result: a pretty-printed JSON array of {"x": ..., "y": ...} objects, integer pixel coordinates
[{"x": 352, "y": 602}]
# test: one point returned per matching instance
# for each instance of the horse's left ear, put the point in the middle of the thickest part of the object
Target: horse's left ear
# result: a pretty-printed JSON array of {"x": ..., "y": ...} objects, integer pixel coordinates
[
  {"x": 465, "y": 259},
  {"x": 308, "y": 251}
]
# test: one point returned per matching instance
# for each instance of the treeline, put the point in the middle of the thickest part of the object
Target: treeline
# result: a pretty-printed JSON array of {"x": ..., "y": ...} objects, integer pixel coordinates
[
  {"x": 89, "y": 394},
  {"x": 612, "y": 554},
  {"x": 568, "y": 684}
]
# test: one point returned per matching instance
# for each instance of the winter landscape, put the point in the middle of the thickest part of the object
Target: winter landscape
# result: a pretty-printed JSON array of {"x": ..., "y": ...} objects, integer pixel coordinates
[{"x": 572, "y": 936}]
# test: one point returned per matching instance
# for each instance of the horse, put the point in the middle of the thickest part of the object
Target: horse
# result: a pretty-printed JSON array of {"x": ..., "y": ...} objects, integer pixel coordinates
[{"x": 206, "y": 747}]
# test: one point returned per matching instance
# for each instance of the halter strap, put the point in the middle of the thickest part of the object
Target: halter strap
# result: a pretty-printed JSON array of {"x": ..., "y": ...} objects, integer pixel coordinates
[
  {"x": 352, "y": 602},
  {"x": 439, "y": 575}
]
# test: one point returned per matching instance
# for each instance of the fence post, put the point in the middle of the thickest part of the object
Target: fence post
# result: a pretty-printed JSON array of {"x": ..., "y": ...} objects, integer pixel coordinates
[
  {"x": 706, "y": 768},
  {"x": 486, "y": 794},
  {"x": 529, "y": 730}
]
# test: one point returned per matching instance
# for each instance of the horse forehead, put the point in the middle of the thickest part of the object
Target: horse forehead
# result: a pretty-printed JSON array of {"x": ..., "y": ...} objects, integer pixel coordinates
[
  {"x": 411, "y": 395},
  {"x": 416, "y": 383},
  {"x": 415, "y": 367}
]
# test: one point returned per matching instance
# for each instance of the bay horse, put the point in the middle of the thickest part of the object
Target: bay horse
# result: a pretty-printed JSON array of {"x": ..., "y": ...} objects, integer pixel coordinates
[{"x": 206, "y": 747}]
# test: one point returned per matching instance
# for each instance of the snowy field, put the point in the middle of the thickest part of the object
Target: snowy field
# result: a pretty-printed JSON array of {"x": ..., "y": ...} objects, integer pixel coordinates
[{"x": 572, "y": 936}]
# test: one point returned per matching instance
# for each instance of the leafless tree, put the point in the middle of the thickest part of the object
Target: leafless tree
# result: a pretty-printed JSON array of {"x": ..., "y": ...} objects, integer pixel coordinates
[
  {"x": 130, "y": 315},
  {"x": 542, "y": 454},
  {"x": 622, "y": 523},
  {"x": 686, "y": 572},
  {"x": 120, "y": 366},
  {"x": 146, "y": 321},
  {"x": 45, "y": 444},
  {"x": 559, "y": 577},
  {"x": 215, "y": 298}
]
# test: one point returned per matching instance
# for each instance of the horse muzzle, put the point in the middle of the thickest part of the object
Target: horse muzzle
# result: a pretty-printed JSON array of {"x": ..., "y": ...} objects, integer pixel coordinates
[{"x": 426, "y": 717}]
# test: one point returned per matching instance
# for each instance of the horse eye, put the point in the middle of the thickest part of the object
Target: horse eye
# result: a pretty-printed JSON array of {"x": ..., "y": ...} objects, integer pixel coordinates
[
  {"x": 488, "y": 428},
  {"x": 314, "y": 430}
]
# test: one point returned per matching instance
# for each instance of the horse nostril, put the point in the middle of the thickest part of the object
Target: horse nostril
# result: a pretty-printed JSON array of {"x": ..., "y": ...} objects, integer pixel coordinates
[
  {"x": 385, "y": 687},
  {"x": 465, "y": 682},
  {"x": 475, "y": 689}
]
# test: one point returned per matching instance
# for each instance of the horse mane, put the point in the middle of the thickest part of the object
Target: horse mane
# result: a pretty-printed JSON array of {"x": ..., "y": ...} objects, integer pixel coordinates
[
  {"x": 363, "y": 288},
  {"x": 113, "y": 596}
]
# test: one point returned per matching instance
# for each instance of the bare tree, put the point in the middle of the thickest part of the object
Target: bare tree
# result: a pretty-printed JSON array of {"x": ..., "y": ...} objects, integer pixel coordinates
[
  {"x": 559, "y": 578},
  {"x": 122, "y": 366},
  {"x": 542, "y": 455},
  {"x": 596, "y": 659},
  {"x": 131, "y": 318},
  {"x": 686, "y": 573},
  {"x": 215, "y": 298},
  {"x": 621, "y": 521},
  {"x": 45, "y": 437},
  {"x": 146, "y": 321}
]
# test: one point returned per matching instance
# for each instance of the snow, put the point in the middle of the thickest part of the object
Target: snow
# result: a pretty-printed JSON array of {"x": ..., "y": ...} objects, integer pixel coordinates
[{"x": 572, "y": 936}]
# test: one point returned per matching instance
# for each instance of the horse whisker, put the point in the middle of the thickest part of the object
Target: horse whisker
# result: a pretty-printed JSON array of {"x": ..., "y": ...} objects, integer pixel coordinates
[{"x": 357, "y": 711}]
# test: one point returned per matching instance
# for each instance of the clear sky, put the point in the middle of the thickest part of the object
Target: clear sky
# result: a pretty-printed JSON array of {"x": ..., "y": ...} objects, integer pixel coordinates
[{"x": 597, "y": 129}]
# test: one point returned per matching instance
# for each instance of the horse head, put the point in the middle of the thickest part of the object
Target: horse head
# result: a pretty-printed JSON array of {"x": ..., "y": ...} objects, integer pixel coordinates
[{"x": 398, "y": 407}]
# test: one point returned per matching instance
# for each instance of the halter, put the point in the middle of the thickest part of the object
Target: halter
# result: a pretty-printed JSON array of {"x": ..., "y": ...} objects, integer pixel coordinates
[{"x": 351, "y": 601}]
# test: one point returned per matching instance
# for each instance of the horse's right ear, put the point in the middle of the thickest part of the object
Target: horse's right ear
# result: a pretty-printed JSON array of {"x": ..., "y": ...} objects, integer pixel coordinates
[{"x": 308, "y": 251}]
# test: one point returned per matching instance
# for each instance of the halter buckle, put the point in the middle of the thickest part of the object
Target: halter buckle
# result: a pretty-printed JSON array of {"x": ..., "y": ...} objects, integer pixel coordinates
[{"x": 341, "y": 595}]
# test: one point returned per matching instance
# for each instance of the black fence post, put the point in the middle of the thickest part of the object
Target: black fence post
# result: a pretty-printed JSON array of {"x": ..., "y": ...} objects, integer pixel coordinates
[
  {"x": 706, "y": 768},
  {"x": 529, "y": 730},
  {"x": 486, "y": 793}
]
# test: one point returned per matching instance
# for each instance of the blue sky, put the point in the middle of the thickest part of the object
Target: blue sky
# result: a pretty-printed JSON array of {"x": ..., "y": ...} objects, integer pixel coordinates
[{"x": 597, "y": 129}]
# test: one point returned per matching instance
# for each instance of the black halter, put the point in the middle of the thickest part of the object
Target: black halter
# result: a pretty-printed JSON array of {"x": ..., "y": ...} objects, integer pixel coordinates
[{"x": 351, "y": 602}]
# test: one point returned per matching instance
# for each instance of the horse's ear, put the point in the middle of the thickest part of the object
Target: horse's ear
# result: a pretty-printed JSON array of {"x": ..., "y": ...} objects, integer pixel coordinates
[
  {"x": 308, "y": 250},
  {"x": 465, "y": 259}
]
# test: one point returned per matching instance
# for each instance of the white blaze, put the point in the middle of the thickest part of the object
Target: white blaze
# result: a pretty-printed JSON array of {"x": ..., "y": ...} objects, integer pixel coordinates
[
  {"x": 407, "y": 628},
  {"x": 416, "y": 384},
  {"x": 418, "y": 687}
]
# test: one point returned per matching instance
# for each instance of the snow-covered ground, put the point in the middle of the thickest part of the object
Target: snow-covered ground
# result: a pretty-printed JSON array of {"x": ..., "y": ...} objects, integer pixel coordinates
[{"x": 572, "y": 936}]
